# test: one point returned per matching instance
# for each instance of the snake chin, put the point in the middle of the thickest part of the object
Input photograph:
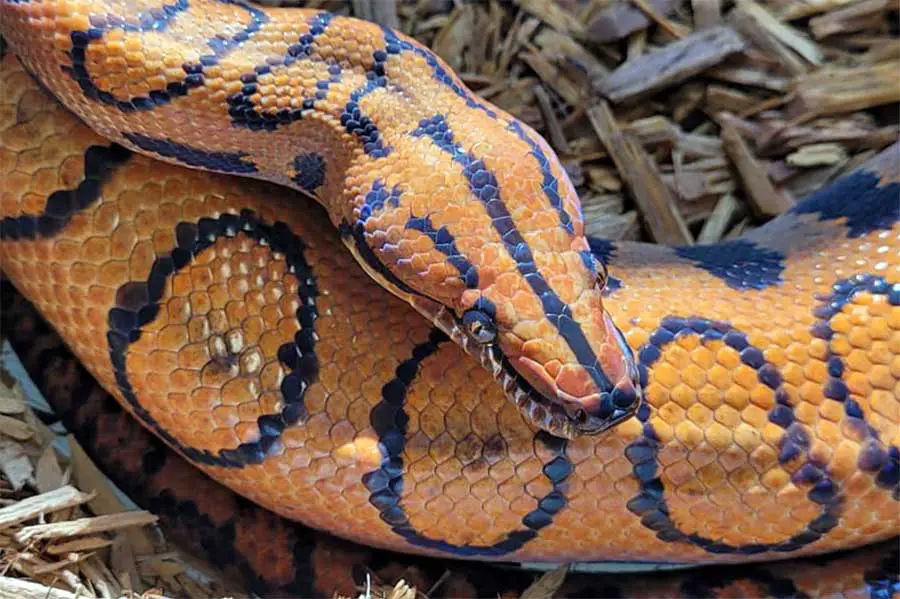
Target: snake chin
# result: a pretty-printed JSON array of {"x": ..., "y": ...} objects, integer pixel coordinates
[{"x": 559, "y": 418}]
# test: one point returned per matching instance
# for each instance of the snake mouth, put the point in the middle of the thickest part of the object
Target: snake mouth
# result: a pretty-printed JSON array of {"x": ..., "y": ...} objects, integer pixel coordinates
[{"x": 567, "y": 419}]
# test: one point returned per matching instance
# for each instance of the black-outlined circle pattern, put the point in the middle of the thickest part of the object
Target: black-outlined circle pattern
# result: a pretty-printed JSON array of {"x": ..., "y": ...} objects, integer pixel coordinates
[{"x": 137, "y": 305}]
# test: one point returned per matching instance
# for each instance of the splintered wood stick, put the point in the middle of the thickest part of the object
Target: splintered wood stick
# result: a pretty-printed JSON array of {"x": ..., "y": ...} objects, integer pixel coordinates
[
  {"x": 755, "y": 30},
  {"x": 671, "y": 64},
  {"x": 552, "y": 124},
  {"x": 760, "y": 189},
  {"x": 787, "y": 35},
  {"x": 707, "y": 13},
  {"x": 850, "y": 18},
  {"x": 717, "y": 223},
  {"x": 797, "y": 10},
  {"x": 676, "y": 31},
  {"x": 16, "y": 588},
  {"x": 51, "y": 501},
  {"x": 84, "y": 544},
  {"x": 836, "y": 90},
  {"x": 643, "y": 178},
  {"x": 84, "y": 526}
]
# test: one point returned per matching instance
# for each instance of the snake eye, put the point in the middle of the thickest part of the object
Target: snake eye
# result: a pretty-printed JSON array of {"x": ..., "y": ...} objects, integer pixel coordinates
[{"x": 480, "y": 326}]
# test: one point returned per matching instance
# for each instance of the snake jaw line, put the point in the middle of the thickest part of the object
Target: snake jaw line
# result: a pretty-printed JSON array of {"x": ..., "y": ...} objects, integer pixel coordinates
[{"x": 566, "y": 419}]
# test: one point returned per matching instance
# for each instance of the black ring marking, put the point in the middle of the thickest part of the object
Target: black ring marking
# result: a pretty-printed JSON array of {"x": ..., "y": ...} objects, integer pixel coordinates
[
  {"x": 857, "y": 198},
  {"x": 99, "y": 164},
  {"x": 154, "y": 20},
  {"x": 883, "y": 463},
  {"x": 385, "y": 485},
  {"x": 224, "y": 162},
  {"x": 137, "y": 305},
  {"x": 650, "y": 504}
]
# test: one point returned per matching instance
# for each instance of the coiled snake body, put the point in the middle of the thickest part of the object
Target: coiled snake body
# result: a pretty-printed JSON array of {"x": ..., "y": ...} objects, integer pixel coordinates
[{"x": 755, "y": 417}]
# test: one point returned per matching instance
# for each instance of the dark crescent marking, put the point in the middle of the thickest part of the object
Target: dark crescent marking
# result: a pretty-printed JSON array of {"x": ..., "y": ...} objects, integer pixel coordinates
[
  {"x": 224, "y": 162},
  {"x": 386, "y": 484}
]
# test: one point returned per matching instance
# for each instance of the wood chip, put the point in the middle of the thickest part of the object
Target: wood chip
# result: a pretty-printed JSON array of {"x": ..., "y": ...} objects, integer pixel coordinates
[
  {"x": 16, "y": 465},
  {"x": 793, "y": 10},
  {"x": 761, "y": 36},
  {"x": 707, "y": 13},
  {"x": 547, "y": 585},
  {"x": 48, "y": 471},
  {"x": 855, "y": 17},
  {"x": 719, "y": 220},
  {"x": 646, "y": 185},
  {"x": 837, "y": 90},
  {"x": 622, "y": 18},
  {"x": 15, "y": 428},
  {"x": 12, "y": 399},
  {"x": 784, "y": 33},
  {"x": 551, "y": 75},
  {"x": 84, "y": 526},
  {"x": 674, "y": 30},
  {"x": 15, "y": 588},
  {"x": 720, "y": 98},
  {"x": 551, "y": 123},
  {"x": 383, "y": 12},
  {"x": 603, "y": 178},
  {"x": 749, "y": 76},
  {"x": 762, "y": 193},
  {"x": 86, "y": 475},
  {"x": 670, "y": 65},
  {"x": 554, "y": 15},
  {"x": 561, "y": 47},
  {"x": 817, "y": 155},
  {"x": 77, "y": 545},
  {"x": 51, "y": 501}
]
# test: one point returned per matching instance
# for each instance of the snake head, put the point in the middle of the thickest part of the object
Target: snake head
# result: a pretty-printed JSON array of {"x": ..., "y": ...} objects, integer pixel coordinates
[
  {"x": 566, "y": 366},
  {"x": 485, "y": 238}
]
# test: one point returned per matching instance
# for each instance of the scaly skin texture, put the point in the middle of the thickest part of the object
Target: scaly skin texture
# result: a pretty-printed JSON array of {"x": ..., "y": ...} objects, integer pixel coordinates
[
  {"x": 275, "y": 557},
  {"x": 452, "y": 204},
  {"x": 407, "y": 444}
]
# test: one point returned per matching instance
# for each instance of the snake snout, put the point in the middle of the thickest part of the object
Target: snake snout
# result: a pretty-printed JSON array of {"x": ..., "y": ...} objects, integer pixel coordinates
[{"x": 586, "y": 396}]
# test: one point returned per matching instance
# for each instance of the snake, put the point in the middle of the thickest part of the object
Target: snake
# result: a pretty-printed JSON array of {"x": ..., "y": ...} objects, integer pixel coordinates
[{"x": 207, "y": 200}]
